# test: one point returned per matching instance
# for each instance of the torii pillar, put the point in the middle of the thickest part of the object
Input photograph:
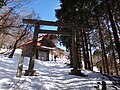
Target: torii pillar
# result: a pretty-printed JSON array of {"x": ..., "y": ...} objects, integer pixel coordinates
[
  {"x": 75, "y": 70},
  {"x": 31, "y": 71}
]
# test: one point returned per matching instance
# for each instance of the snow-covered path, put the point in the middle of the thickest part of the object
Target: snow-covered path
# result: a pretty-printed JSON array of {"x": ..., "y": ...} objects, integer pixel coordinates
[{"x": 51, "y": 76}]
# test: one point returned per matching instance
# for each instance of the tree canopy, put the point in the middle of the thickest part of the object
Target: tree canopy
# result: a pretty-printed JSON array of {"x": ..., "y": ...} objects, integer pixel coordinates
[{"x": 101, "y": 20}]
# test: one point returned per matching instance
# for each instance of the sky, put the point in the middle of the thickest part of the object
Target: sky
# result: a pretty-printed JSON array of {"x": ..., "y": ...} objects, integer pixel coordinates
[{"x": 45, "y": 8}]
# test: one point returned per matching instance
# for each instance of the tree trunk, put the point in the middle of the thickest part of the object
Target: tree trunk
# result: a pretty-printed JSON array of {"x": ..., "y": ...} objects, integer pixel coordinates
[
  {"x": 113, "y": 52},
  {"x": 84, "y": 54},
  {"x": 16, "y": 42},
  {"x": 79, "y": 51},
  {"x": 80, "y": 58},
  {"x": 103, "y": 62},
  {"x": 102, "y": 45},
  {"x": 12, "y": 53},
  {"x": 90, "y": 54},
  {"x": 87, "y": 51},
  {"x": 114, "y": 29},
  {"x": 118, "y": 27}
]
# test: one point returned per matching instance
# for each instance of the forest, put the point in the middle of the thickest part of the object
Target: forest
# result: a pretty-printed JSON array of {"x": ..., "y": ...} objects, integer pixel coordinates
[{"x": 98, "y": 41}]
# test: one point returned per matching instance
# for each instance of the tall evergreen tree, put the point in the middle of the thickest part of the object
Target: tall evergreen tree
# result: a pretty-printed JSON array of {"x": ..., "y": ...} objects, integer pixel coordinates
[
  {"x": 82, "y": 14},
  {"x": 114, "y": 29}
]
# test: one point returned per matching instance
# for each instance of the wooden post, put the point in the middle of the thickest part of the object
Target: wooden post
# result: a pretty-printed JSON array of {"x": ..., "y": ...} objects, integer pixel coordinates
[
  {"x": 101, "y": 69},
  {"x": 30, "y": 71},
  {"x": 104, "y": 85},
  {"x": 73, "y": 50},
  {"x": 75, "y": 69},
  {"x": 20, "y": 66}
]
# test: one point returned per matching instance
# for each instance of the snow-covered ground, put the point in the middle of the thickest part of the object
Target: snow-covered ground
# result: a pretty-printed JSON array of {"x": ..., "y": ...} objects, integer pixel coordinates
[{"x": 51, "y": 76}]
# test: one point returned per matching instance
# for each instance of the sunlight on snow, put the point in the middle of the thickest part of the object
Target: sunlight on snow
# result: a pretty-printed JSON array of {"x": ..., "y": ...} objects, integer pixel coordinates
[{"x": 51, "y": 76}]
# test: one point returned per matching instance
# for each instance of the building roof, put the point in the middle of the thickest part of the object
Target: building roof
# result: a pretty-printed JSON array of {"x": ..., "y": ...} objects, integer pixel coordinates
[{"x": 44, "y": 40}]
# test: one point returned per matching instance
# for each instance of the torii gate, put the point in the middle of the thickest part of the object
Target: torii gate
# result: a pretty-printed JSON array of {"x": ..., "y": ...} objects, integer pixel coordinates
[{"x": 37, "y": 23}]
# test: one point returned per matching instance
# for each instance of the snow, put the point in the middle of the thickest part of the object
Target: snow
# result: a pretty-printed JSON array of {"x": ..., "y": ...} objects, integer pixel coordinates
[
  {"x": 2, "y": 50},
  {"x": 95, "y": 69},
  {"x": 51, "y": 75}
]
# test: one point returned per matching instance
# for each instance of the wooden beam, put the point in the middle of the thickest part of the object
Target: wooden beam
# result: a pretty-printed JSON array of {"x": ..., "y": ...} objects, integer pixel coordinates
[
  {"x": 52, "y": 23},
  {"x": 49, "y": 23},
  {"x": 54, "y": 32}
]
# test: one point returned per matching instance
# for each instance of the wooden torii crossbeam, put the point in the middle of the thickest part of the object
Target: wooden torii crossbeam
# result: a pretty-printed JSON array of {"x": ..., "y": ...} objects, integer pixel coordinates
[
  {"x": 37, "y": 23},
  {"x": 49, "y": 23},
  {"x": 54, "y": 32},
  {"x": 52, "y": 23}
]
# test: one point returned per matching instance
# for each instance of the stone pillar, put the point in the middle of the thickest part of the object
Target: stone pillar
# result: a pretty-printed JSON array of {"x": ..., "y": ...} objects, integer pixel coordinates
[{"x": 20, "y": 66}]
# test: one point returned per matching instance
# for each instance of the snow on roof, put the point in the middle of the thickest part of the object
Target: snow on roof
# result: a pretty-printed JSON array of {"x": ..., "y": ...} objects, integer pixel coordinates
[
  {"x": 51, "y": 48},
  {"x": 30, "y": 41}
]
